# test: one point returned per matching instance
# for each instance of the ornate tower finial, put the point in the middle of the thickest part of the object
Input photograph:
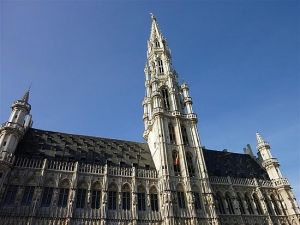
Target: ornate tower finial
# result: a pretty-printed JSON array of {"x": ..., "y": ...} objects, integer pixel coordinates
[
  {"x": 152, "y": 16},
  {"x": 259, "y": 138}
]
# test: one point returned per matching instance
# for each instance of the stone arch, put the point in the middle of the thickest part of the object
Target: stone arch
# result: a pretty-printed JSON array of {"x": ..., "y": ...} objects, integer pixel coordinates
[
  {"x": 153, "y": 189},
  {"x": 257, "y": 203},
  {"x": 228, "y": 199},
  {"x": 126, "y": 187},
  {"x": 275, "y": 204},
  {"x": 82, "y": 184},
  {"x": 141, "y": 188},
  {"x": 96, "y": 185},
  {"x": 240, "y": 202},
  {"x": 249, "y": 203}
]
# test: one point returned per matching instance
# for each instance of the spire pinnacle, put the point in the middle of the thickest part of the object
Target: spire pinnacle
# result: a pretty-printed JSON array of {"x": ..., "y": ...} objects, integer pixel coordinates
[
  {"x": 26, "y": 96},
  {"x": 259, "y": 138}
]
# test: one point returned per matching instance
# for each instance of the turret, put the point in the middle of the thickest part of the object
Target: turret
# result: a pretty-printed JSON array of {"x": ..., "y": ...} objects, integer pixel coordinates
[
  {"x": 268, "y": 162},
  {"x": 12, "y": 131}
]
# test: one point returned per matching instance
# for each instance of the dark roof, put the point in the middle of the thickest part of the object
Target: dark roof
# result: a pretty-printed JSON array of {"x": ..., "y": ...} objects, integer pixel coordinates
[
  {"x": 223, "y": 163},
  {"x": 70, "y": 147}
]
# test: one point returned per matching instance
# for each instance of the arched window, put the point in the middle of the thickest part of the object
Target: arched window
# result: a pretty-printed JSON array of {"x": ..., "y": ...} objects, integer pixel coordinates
[
  {"x": 180, "y": 197},
  {"x": 10, "y": 195},
  {"x": 240, "y": 201},
  {"x": 112, "y": 197},
  {"x": 81, "y": 195},
  {"x": 141, "y": 198},
  {"x": 219, "y": 203},
  {"x": 165, "y": 98},
  {"x": 249, "y": 206},
  {"x": 229, "y": 203},
  {"x": 184, "y": 136},
  {"x": 176, "y": 163},
  {"x": 160, "y": 66},
  {"x": 172, "y": 134},
  {"x": 189, "y": 161},
  {"x": 154, "y": 199},
  {"x": 275, "y": 205},
  {"x": 63, "y": 193},
  {"x": 267, "y": 202},
  {"x": 257, "y": 204},
  {"x": 126, "y": 197},
  {"x": 96, "y": 195}
]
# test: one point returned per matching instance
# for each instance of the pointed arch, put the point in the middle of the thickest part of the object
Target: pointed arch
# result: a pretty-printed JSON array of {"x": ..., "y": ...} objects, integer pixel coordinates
[
  {"x": 240, "y": 202},
  {"x": 228, "y": 199},
  {"x": 257, "y": 204},
  {"x": 268, "y": 204},
  {"x": 248, "y": 202},
  {"x": 275, "y": 204},
  {"x": 160, "y": 66},
  {"x": 96, "y": 195}
]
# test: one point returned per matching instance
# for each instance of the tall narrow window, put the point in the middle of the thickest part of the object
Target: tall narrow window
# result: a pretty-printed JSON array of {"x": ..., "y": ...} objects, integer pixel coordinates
[
  {"x": 197, "y": 201},
  {"x": 189, "y": 161},
  {"x": 153, "y": 199},
  {"x": 165, "y": 98},
  {"x": 176, "y": 163},
  {"x": 27, "y": 195},
  {"x": 157, "y": 44},
  {"x": 47, "y": 196},
  {"x": 181, "y": 199},
  {"x": 10, "y": 196},
  {"x": 126, "y": 200},
  {"x": 172, "y": 134},
  {"x": 267, "y": 202},
  {"x": 160, "y": 66},
  {"x": 240, "y": 201},
  {"x": 96, "y": 196},
  {"x": 220, "y": 204},
  {"x": 275, "y": 205},
  {"x": 229, "y": 203},
  {"x": 141, "y": 201},
  {"x": 257, "y": 204},
  {"x": 249, "y": 206},
  {"x": 63, "y": 197},
  {"x": 184, "y": 136},
  {"x": 112, "y": 200},
  {"x": 80, "y": 198}
]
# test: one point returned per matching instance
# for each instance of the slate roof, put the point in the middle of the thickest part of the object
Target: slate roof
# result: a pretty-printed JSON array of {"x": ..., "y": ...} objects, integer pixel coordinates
[{"x": 70, "y": 147}]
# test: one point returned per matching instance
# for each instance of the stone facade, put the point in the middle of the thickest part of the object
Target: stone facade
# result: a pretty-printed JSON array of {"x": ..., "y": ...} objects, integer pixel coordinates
[{"x": 56, "y": 178}]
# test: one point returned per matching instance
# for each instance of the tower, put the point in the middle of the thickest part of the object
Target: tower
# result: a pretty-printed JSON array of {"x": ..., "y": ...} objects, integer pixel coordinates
[
  {"x": 284, "y": 190},
  {"x": 12, "y": 131},
  {"x": 172, "y": 135}
]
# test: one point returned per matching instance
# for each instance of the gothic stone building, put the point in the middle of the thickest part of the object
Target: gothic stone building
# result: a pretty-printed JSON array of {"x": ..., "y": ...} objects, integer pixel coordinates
[{"x": 55, "y": 178}]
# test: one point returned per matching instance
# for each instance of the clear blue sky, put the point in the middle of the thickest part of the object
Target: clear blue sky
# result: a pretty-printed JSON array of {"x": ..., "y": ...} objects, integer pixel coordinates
[{"x": 85, "y": 60}]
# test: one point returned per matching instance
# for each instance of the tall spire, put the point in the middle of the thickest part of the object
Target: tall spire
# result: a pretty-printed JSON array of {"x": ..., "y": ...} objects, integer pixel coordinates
[
  {"x": 26, "y": 96},
  {"x": 155, "y": 31}
]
